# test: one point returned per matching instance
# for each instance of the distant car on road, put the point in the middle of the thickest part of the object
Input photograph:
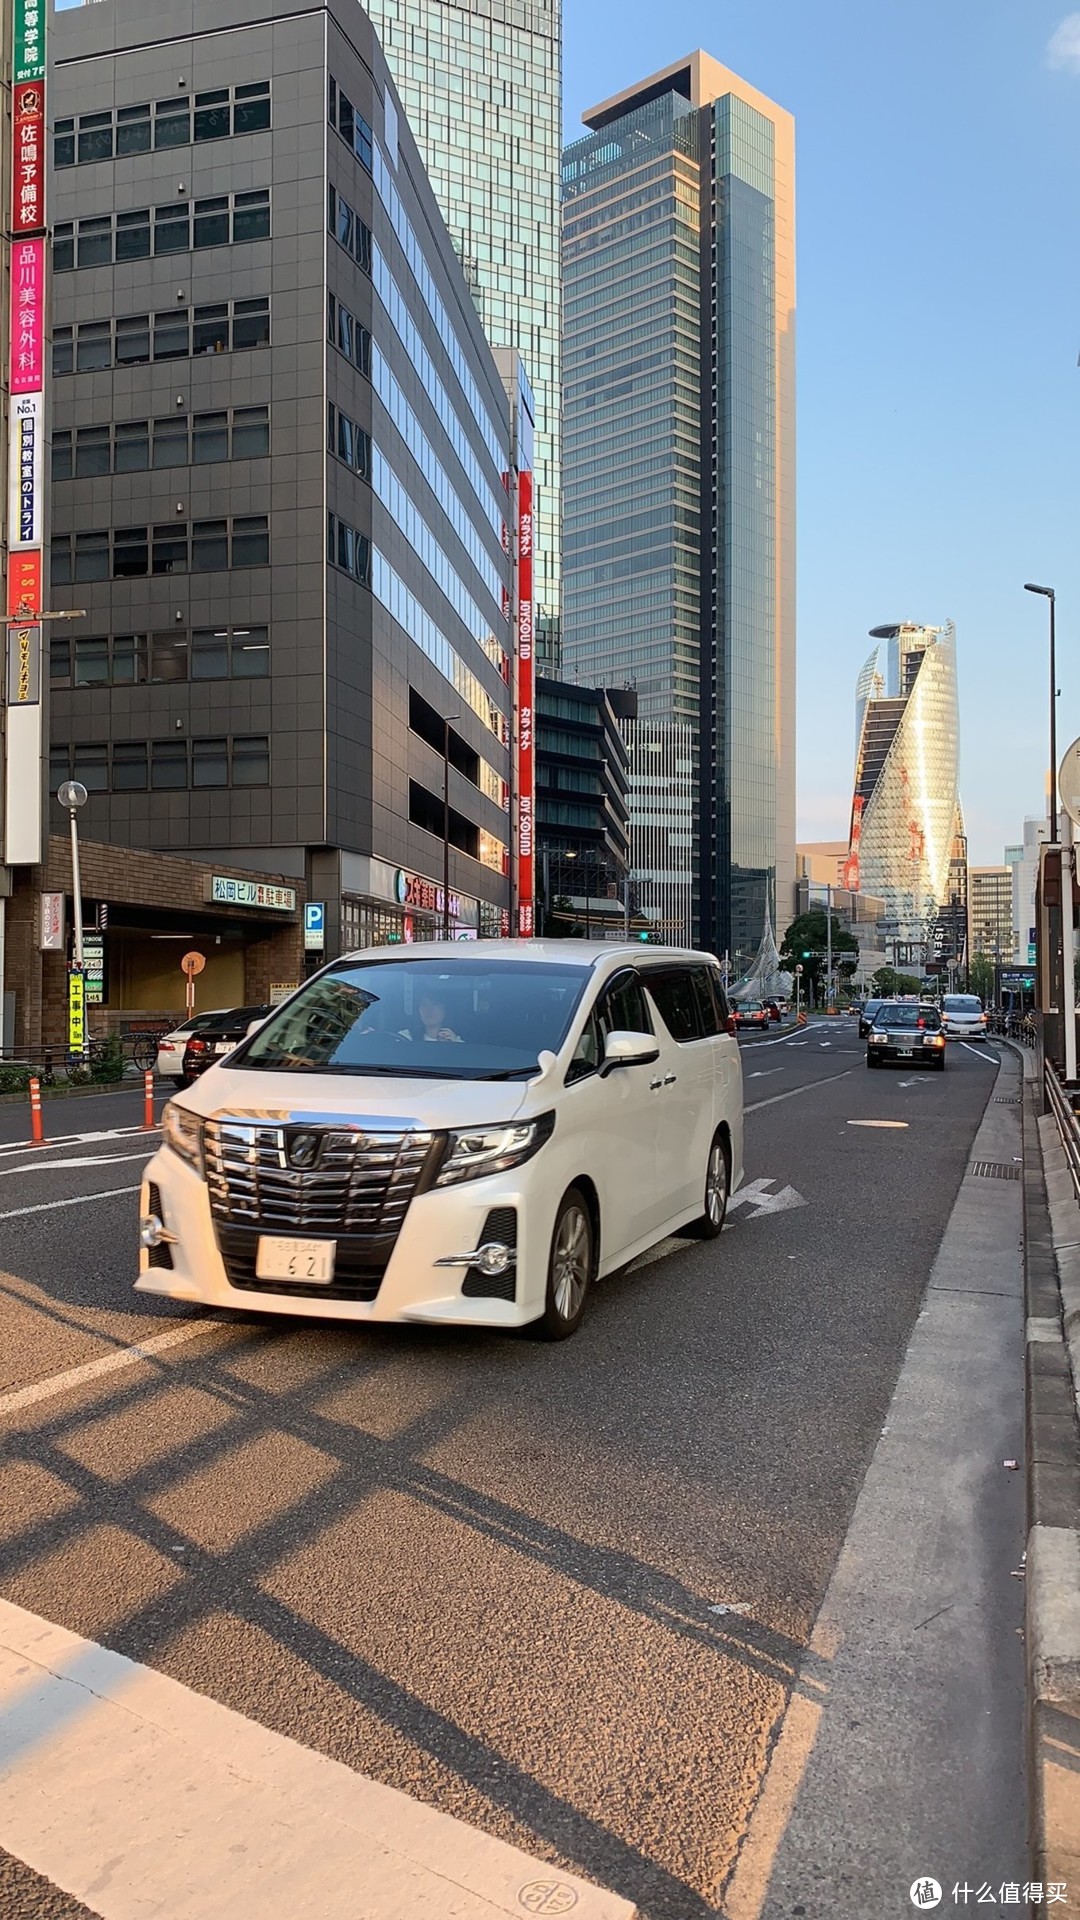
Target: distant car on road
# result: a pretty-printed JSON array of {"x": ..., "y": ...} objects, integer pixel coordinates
[
  {"x": 963, "y": 1017},
  {"x": 751, "y": 1014},
  {"x": 218, "y": 1034},
  {"x": 906, "y": 1032},
  {"x": 170, "y": 1051},
  {"x": 866, "y": 1016},
  {"x": 774, "y": 1008}
]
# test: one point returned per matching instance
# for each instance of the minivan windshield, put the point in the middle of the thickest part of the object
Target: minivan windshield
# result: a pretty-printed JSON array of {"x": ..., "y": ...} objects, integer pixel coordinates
[
  {"x": 962, "y": 1003},
  {"x": 438, "y": 1019}
]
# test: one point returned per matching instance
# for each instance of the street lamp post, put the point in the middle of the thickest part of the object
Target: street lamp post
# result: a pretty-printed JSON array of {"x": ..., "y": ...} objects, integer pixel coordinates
[
  {"x": 446, "y": 824},
  {"x": 1049, "y": 594},
  {"x": 72, "y": 795}
]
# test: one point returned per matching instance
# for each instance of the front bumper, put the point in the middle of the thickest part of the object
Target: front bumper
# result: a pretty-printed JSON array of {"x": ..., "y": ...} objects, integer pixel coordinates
[
  {"x": 916, "y": 1056},
  {"x": 413, "y": 1287},
  {"x": 964, "y": 1033}
]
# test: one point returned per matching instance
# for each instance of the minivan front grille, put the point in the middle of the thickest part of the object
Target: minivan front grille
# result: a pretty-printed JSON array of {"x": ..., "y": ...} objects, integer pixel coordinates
[{"x": 290, "y": 1177}]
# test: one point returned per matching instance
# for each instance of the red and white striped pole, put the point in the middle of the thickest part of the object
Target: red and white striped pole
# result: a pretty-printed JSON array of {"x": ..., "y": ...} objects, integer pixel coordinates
[
  {"x": 148, "y": 1099},
  {"x": 37, "y": 1126}
]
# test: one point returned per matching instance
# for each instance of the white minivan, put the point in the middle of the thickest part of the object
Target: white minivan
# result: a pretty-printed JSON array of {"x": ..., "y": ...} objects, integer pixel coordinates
[{"x": 465, "y": 1134}]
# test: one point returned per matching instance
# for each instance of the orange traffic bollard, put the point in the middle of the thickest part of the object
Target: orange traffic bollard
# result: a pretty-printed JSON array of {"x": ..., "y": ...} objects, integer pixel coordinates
[
  {"x": 148, "y": 1099},
  {"x": 37, "y": 1127}
]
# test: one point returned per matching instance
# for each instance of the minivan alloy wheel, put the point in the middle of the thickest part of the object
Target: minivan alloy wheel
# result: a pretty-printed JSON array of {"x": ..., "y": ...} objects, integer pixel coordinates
[
  {"x": 716, "y": 1186},
  {"x": 571, "y": 1261}
]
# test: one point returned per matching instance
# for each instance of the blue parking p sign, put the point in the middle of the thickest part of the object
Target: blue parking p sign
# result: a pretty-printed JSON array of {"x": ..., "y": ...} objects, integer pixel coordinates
[{"x": 314, "y": 926}]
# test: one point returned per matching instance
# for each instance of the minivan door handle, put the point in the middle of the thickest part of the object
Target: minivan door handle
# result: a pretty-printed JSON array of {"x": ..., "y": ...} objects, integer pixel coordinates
[
  {"x": 654, "y": 1085},
  {"x": 670, "y": 1079}
]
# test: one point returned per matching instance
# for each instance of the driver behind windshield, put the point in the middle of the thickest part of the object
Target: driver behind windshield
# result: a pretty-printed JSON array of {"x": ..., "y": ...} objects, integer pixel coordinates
[{"x": 430, "y": 1023}]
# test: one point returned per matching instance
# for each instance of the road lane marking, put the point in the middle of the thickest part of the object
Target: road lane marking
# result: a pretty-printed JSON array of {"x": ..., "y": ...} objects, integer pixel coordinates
[
  {"x": 172, "y": 1803},
  {"x": 991, "y": 1059},
  {"x": 793, "y": 1093},
  {"x": 901, "y": 1124},
  {"x": 79, "y": 1160},
  {"x": 755, "y": 1196},
  {"x": 79, "y": 1200},
  {"x": 10, "y": 1148},
  {"x": 114, "y": 1362},
  {"x": 762, "y": 1073},
  {"x": 789, "y": 1039}
]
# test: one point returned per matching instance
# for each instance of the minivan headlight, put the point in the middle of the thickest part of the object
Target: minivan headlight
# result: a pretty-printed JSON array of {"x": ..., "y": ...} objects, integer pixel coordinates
[
  {"x": 476, "y": 1151},
  {"x": 183, "y": 1132}
]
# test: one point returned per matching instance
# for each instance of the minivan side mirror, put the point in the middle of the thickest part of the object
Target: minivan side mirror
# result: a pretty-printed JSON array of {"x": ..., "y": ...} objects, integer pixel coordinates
[
  {"x": 622, "y": 1049},
  {"x": 254, "y": 1025}
]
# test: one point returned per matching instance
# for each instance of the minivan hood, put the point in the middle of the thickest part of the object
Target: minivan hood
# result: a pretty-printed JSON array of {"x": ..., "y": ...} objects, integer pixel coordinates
[{"x": 366, "y": 1099}]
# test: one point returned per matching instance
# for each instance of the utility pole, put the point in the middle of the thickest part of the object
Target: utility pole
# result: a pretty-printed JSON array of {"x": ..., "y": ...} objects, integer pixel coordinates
[{"x": 828, "y": 934}]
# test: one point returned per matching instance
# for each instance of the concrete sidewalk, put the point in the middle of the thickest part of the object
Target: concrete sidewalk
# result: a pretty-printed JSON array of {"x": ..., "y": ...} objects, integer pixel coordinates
[{"x": 1052, "y": 1283}]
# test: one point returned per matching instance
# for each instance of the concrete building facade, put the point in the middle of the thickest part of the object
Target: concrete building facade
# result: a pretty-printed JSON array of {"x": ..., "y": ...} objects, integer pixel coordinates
[{"x": 279, "y": 451}]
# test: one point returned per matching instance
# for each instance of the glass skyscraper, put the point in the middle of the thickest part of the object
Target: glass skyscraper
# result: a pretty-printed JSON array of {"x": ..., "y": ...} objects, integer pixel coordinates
[
  {"x": 678, "y": 260},
  {"x": 906, "y": 821},
  {"x": 481, "y": 84}
]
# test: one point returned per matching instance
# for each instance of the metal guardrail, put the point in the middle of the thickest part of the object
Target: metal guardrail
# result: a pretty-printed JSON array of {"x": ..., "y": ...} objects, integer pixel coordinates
[{"x": 1067, "y": 1122}]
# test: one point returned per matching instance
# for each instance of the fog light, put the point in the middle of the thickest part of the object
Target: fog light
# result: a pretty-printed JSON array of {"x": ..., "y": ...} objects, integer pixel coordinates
[
  {"x": 151, "y": 1231},
  {"x": 493, "y": 1258}
]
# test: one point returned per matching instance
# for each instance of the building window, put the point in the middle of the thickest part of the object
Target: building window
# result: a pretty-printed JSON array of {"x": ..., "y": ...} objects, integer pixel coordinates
[
  {"x": 349, "y": 442},
  {"x": 130, "y": 665},
  {"x": 59, "y": 767},
  {"x": 86, "y": 556},
  {"x": 100, "y": 238},
  {"x": 210, "y": 437},
  {"x": 61, "y": 456},
  {"x": 60, "y": 662},
  {"x": 250, "y": 433},
  {"x": 97, "y": 344},
  {"x": 251, "y": 761},
  {"x": 249, "y": 654},
  {"x": 210, "y": 763},
  {"x": 172, "y": 123},
  {"x": 352, "y": 126},
  {"x": 130, "y": 553},
  {"x": 171, "y": 441},
  {"x": 168, "y": 763},
  {"x": 345, "y": 333},
  {"x": 347, "y": 228},
  {"x": 218, "y": 114},
  {"x": 131, "y": 446},
  {"x": 348, "y": 550},
  {"x": 210, "y": 654},
  {"x": 92, "y": 768},
  {"x": 92, "y": 452},
  {"x": 251, "y": 541},
  {"x": 133, "y": 130},
  {"x": 129, "y": 766},
  {"x": 91, "y": 662}
]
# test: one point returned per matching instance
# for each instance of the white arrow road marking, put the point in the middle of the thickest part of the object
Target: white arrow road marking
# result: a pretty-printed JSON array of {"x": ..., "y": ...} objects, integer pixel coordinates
[
  {"x": 756, "y": 1195},
  {"x": 82, "y": 1160}
]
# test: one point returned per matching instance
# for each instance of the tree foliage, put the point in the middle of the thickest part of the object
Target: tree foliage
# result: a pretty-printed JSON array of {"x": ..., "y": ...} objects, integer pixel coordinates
[
  {"x": 806, "y": 945},
  {"x": 887, "y": 981}
]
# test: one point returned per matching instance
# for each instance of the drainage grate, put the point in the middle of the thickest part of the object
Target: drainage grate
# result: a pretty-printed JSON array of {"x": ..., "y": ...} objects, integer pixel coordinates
[
  {"x": 1006, "y": 1100},
  {"x": 993, "y": 1170}
]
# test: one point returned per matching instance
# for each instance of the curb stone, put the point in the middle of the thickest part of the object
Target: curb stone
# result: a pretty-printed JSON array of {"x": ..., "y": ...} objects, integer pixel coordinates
[{"x": 1052, "y": 1368}]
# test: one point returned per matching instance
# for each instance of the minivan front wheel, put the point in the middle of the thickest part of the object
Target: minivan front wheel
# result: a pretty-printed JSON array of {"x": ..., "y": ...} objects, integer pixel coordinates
[
  {"x": 710, "y": 1225},
  {"x": 570, "y": 1268}
]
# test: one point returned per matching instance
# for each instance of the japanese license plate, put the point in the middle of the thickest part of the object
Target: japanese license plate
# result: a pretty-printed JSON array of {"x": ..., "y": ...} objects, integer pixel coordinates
[
  {"x": 225, "y": 1046},
  {"x": 905, "y": 1050},
  {"x": 311, "y": 1260}
]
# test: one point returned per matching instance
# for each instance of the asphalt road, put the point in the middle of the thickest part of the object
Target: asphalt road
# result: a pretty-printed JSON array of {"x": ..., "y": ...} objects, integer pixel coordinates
[{"x": 491, "y": 1572}]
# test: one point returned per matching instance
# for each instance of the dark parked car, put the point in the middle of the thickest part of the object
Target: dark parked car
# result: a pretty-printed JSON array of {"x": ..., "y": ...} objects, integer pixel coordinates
[
  {"x": 219, "y": 1033},
  {"x": 907, "y": 1032},
  {"x": 750, "y": 1014},
  {"x": 866, "y": 1016}
]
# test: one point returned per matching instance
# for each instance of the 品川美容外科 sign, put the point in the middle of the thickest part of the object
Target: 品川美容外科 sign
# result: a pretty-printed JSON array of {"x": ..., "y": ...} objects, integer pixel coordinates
[{"x": 226, "y": 892}]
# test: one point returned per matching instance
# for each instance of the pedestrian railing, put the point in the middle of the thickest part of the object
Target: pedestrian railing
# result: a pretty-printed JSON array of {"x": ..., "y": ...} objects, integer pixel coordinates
[{"x": 1060, "y": 1104}]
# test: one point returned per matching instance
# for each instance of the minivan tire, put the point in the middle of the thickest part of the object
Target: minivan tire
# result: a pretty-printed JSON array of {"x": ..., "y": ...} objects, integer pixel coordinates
[
  {"x": 710, "y": 1224},
  {"x": 571, "y": 1265}
]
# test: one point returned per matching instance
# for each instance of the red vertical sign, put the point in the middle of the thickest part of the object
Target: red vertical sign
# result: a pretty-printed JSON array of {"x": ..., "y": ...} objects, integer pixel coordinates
[
  {"x": 526, "y": 676},
  {"x": 28, "y": 158}
]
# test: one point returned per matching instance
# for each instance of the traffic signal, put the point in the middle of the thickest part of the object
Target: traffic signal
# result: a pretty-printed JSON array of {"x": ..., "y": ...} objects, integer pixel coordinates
[
  {"x": 808, "y": 953},
  {"x": 643, "y": 936}
]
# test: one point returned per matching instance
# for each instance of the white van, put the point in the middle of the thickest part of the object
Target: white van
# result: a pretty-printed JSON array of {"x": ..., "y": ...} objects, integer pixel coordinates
[{"x": 469, "y": 1135}]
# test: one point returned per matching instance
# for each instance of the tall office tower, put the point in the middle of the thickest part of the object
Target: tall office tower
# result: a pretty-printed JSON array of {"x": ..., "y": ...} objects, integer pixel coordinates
[
  {"x": 679, "y": 474},
  {"x": 481, "y": 84},
  {"x": 906, "y": 843},
  {"x": 279, "y": 450},
  {"x": 990, "y": 911}
]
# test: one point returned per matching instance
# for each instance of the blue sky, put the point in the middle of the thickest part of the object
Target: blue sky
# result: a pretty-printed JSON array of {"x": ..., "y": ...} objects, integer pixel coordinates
[{"x": 938, "y": 210}]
